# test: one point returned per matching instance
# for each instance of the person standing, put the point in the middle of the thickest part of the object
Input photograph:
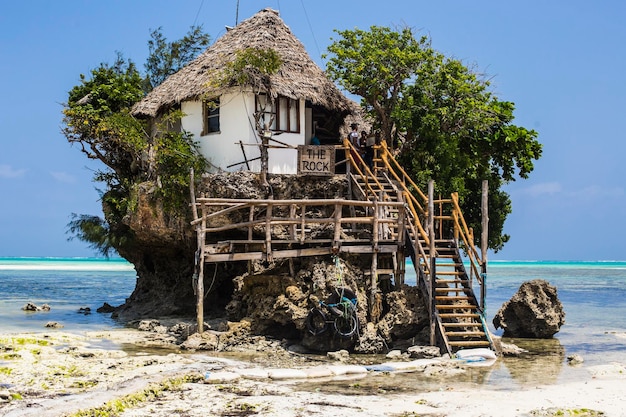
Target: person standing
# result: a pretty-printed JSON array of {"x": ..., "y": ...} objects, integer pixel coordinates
[{"x": 354, "y": 135}]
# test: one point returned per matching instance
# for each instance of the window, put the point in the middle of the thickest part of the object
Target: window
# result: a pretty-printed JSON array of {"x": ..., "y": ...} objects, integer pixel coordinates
[
  {"x": 285, "y": 115},
  {"x": 288, "y": 112},
  {"x": 267, "y": 114},
  {"x": 211, "y": 116}
]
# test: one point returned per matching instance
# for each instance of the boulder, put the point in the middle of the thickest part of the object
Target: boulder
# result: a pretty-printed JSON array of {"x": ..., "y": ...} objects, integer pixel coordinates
[
  {"x": 33, "y": 307},
  {"x": 369, "y": 341},
  {"x": 534, "y": 311},
  {"x": 424, "y": 352},
  {"x": 205, "y": 341},
  {"x": 106, "y": 308},
  {"x": 575, "y": 360},
  {"x": 84, "y": 310},
  {"x": 151, "y": 326},
  {"x": 339, "y": 356},
  {"x": 30, "y": 307},
  {"x": 394, "y": 354}
]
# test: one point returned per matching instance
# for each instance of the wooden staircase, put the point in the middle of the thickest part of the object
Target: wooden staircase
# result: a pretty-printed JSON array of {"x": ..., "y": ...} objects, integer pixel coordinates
[
  {"x": 458, "y": 313},
  {"x": 457, "y": 317}
]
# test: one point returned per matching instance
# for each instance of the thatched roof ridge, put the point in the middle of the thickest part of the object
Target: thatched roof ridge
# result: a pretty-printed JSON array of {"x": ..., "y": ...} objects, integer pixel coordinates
[{"x": 299, "y": 77}]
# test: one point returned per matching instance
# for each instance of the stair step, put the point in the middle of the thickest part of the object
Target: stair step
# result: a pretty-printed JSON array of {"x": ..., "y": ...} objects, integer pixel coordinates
[
  {"x": 469, "y": 343},
  {"x": 474, "y": 324},
  {"x": 450, "y": 273},
  {"x": 439, "y": 254},
  {"x": 462, "y": 334},
  {"x": 455, "y": 306},
  {"x": 453, "y": 281},
  {"x": 459, "y": 315},
  {"x": 380, "y": 271},
  {"x": 452, "y": 298},
  {"x": 450, "y": 289}
]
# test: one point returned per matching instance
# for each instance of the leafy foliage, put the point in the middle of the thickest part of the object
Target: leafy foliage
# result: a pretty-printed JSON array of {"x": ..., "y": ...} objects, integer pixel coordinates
[
  {"x": 96, "y": 231},
  {"x": 448, "y": 125},
  {"x": 251, "y": 66},
  {"x": 166, "y": 58},
  {"x": 98, "y": 118},
  {"x": 375, "y": 65}
]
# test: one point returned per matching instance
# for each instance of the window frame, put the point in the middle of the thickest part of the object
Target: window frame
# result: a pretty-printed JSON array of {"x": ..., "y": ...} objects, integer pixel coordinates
[
  {"x": 210, "y": 111},
  {"x": 286, "y": 112}
]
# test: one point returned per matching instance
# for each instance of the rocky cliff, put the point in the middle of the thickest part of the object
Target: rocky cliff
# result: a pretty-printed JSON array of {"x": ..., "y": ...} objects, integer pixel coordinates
[{"x": 272, "y": 297}]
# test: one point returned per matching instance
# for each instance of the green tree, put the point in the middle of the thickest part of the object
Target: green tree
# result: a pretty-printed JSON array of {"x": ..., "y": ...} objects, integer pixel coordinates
[
  {"x": 450, "y": 127},
  {"x": 97, "y": 118},
  {"x": 165, "y": 58},
  {"x": 376, "y": 65}
]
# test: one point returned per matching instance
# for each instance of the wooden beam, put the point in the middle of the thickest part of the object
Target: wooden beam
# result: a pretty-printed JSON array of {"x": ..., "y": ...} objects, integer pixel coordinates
[
  {"x": 278, "y": 254},
  {"x": 433, "y": 259}
]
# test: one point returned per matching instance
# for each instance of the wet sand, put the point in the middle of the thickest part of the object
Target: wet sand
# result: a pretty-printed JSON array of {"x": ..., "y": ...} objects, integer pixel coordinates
[{"x": 57, "y": 374}]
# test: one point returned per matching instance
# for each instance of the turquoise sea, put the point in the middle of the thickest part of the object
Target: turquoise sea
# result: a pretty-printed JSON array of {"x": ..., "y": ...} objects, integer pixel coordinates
[
  {"x": 593, "y": 295},
  {"x": 66, "y": 285}
]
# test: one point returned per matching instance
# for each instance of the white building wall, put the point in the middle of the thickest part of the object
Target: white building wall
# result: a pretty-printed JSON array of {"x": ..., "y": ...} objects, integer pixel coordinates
[{"x": 222, "y": 148}]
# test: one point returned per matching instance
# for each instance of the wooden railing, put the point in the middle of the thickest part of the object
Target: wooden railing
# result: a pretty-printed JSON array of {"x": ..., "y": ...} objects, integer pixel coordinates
[
  {"x": 269, "y": 229},
  {"x": 417, "y": 208},
  {"x": 373, "y": 187}
]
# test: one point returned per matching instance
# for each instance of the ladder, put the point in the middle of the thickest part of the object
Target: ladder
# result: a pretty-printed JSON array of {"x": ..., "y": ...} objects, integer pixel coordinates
[{"x": 457, "y": 316}]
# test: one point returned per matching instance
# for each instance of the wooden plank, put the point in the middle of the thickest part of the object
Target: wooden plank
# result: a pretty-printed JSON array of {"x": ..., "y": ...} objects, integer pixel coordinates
[
  {"x": 469, "y": 343},
  {"x": 455, "y": 307},
  {"x": 465, "y": 334},
  {"x": 308, "y": 202},
  {"x": 292, "y": 227},
  {"x": 224, "y": 211},
  {"x": 473, "y": 324},
  {"x": 459, "y": 315},
  {"x": 368, "y": 249},
  {"x": 278, "y": 254}
]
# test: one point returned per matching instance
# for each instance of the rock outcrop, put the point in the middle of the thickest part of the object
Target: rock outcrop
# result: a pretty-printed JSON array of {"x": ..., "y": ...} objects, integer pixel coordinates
[
  {"x": 533, "y": 312},
  {"x": 273, "y": 301}
]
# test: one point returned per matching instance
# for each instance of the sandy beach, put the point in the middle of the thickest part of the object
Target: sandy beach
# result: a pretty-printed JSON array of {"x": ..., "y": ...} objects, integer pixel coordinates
[{"x": 133, "y": 373}]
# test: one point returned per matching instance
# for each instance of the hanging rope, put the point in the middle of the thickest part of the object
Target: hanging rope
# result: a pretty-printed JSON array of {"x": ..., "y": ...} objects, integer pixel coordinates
[
  {"x": 338, "y": 272},
  {"x": 212, "y": 281},
  {"x": 196, "y": 272}
]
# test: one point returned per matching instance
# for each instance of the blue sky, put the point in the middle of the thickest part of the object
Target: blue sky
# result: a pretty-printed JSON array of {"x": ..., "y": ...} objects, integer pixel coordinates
[{"x": 562, "y": 64}]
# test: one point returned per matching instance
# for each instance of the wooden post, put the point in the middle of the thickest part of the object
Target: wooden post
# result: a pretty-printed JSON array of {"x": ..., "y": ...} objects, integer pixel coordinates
[
  {"x": 250, "y": 220},
  {"x": 264, "y": 158},
  {"x": 302, "y": 223},
  {"x": 200, "y": 285},
  {"x": 374, "y": 268},
  {"x": 484, "y": 242},
  {"x": 292, "y": 226},
  {"x": 432, "y": 258},
  {"x": 292, "y": 236},
  {"x": 268, "y": 233},
  {"x": 374, "y": 314},
  {"x": 398, "y": 259},
  {"x": 192, "y": 191},
  {"x": 337, "y": 228}
]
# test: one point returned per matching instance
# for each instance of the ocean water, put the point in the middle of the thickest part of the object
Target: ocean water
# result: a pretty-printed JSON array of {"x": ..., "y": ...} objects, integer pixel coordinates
[
  {"x": 66, "y": 285},
  {"x": 593, "y": 295}
]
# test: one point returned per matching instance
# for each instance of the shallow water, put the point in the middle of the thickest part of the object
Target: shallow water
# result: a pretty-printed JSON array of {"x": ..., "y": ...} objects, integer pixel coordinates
[
  {"x": 66, "y": 285},
  {"x": 593, "y": 295}
]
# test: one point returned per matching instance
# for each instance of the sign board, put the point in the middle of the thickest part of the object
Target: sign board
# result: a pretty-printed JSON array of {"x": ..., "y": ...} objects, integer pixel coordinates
[{"x": 316, "y": 160}]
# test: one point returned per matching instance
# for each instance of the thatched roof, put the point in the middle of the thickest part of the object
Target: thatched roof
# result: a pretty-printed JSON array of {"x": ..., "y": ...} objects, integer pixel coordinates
[{"x": 298, "y": 77}]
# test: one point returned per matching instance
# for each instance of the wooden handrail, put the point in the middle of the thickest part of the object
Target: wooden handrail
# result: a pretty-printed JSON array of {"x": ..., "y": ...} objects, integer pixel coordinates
[
  {"x": 365, "y": 173},
  {"x": 270, "y": 218},
  {"x": 418, "y": 225},
  {"x": 467, "y": 237},
  {"x": 388, "y": 155},
  {"x": 459, "y": 224}
]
